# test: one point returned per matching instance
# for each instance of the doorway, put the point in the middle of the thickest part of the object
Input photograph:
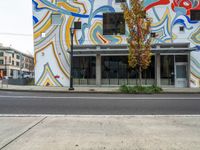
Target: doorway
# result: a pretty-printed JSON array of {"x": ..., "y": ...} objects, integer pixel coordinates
[{"x": 181, "y": 75}]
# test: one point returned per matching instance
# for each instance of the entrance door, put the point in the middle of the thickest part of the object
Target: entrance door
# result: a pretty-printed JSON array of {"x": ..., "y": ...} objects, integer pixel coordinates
[{"x": 181, "y": 75}]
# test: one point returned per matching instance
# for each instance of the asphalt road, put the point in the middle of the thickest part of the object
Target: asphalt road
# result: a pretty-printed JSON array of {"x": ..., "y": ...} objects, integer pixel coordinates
[{"x": 98, "y": 104}]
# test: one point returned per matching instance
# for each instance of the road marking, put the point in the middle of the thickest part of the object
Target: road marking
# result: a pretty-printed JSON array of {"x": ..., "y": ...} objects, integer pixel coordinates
[
  {"x": 102, "y": 98},
  {"x": 97, "y": 116}
]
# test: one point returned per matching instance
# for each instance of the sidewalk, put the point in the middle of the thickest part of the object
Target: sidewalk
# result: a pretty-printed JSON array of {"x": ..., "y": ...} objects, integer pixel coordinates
[
  {"x": 100, "y": 132},
  {"x": 87, "y": 89}
]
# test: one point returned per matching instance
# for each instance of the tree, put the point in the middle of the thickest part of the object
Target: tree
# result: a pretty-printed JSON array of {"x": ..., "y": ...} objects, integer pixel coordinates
[{"x": 139, "y": 39}]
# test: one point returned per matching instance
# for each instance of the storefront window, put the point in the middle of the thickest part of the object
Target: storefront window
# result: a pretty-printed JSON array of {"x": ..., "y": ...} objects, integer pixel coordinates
[
  {"x": 116, "y": 71},
  {"x": 123, "y": 67},
  {"x": 181, "y": 58},
  {"x": 167, "y": 70},
  {"x": 149, "y": 73},
  {"x": 84, "y": 70}
]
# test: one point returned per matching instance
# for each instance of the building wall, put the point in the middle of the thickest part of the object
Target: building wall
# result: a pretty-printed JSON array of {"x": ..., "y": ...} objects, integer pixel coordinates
[
  {"x": 12, "y": 62},
  {"x": 53, "y": 41}
]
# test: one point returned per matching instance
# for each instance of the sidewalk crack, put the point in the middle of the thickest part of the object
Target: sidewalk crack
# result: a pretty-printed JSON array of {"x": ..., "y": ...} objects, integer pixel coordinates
[{"x": 23, "y": 133}]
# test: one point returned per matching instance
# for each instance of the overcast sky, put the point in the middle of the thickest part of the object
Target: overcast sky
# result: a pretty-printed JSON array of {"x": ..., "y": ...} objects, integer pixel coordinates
[{"x": 16, "y": 24}]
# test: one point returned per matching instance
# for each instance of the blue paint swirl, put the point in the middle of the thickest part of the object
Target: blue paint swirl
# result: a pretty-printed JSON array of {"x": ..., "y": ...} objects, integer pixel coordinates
[
  {"x": 35, "y": 20},
  {"x": 52, "y": 7}
]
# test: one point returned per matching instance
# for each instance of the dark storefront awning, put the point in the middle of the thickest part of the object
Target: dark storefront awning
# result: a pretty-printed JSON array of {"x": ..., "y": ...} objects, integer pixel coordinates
[{"x": 122, "y": 49}]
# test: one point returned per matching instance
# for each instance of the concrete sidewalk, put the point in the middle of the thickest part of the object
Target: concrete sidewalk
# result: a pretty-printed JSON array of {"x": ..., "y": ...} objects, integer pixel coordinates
[
  {"x": 100, "y": 132},
  {"x": 87, "y": 89}
]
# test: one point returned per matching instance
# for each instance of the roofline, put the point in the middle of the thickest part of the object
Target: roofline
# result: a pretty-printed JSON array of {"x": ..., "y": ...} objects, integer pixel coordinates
[
  {"x": 123, "y": 49},
  {"x": 183, "y": 45},
  {"x": 17, "y": 51}
]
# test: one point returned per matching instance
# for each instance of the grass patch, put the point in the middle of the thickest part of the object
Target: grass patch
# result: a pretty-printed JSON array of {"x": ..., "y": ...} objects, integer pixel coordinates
[
  {"x": 140, "y": 89},
  {"x": 31, "y": 82}
]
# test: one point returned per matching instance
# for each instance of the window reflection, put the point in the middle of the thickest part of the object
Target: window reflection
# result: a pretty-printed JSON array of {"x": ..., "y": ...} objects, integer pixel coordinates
[
  {"x": 84, "y": 70},
  {"x": 167, "y": 70},
  {"x": 115, "y": 70}
]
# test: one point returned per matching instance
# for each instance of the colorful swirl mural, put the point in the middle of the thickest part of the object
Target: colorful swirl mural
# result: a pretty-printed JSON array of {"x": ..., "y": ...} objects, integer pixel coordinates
[{"x": 53, "y": 41}]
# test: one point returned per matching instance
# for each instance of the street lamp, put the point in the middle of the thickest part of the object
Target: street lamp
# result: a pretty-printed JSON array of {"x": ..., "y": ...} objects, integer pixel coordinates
[{"x": 77, "y": 25}]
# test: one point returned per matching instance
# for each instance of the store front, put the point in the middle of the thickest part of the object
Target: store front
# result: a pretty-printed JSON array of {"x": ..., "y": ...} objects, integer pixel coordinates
[
  {"x": 174, "y": 70},
  {"x": 116, "y": 71},
  {"x": 101, "y": 66},
  {"x": 84, "y": 70}
]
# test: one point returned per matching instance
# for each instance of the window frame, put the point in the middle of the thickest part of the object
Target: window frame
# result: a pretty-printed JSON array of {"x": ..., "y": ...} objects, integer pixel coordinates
[
  {"x": 193, "y": 17},
  {"x": 2, "y": 62},
  {"x": 120, "y": 1},
  {"x": 56, "y": 21},
  {"x": 107, "y": 22},
  {"x": 1, "y": 54}
]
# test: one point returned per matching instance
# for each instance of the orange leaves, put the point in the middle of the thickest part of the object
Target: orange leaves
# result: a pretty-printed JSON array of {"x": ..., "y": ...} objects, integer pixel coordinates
[
  {"x": 132, "y": 60},
  {"x": 139, "y": 29}
]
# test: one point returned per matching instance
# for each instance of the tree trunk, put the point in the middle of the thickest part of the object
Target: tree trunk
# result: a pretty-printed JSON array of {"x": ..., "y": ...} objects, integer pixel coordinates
[{"x": 140, "y": 76}]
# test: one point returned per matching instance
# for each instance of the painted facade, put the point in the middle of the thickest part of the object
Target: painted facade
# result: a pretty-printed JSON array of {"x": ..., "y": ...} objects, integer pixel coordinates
[{"x": 52, "y": 42}]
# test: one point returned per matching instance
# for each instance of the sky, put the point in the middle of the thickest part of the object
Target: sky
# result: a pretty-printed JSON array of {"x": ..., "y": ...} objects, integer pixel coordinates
[{"x": 16, "y": 25}]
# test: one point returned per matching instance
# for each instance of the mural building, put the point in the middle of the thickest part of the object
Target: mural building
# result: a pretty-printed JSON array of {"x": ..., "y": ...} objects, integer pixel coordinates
[{"x": 100, "y": 46}]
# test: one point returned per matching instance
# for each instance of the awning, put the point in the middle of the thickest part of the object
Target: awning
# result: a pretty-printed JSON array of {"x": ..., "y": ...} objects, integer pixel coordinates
[{"x": 122, "y": 49}]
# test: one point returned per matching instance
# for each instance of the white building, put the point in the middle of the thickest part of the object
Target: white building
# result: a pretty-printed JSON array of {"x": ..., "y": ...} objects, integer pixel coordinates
[
  {"x": 100, "y": 48},
  {"x": 15, "y": 64}
]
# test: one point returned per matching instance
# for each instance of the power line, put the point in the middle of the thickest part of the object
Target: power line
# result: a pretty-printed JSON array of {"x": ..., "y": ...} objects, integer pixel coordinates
[{"x": 15, "y": 34}]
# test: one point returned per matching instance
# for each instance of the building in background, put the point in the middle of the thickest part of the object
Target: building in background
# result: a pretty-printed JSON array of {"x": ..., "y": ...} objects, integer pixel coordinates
[
  {"x": 100, "y": 47},
  {"x": 15, "y": 64}
]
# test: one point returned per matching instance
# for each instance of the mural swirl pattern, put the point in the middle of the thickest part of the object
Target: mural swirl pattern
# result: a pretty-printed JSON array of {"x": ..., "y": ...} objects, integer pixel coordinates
[{"x": 53, "y": 41}]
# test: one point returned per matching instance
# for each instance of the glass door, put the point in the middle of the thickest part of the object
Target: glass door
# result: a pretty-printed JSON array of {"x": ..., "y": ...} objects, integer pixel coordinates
[{"x": 181, "y": 75}]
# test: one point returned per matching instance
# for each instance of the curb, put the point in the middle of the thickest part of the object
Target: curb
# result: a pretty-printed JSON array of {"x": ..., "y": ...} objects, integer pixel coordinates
[
  {"x": 67, "y": 91},
  {"x": 94, "y": 92},
  {"x": 96, "y": 116}
]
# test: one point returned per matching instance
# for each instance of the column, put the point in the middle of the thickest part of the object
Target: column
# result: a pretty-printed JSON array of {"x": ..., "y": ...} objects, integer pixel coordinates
[
  {"x": 98, "y": 70},
  {"x": 8, "y": 71},
  {"x": 157, "y": 69},
  {"x": 188, "y": 71}
]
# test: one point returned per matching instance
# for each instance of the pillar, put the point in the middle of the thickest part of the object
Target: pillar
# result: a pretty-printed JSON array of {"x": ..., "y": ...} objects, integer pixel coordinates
[
  {"x": 157, "y": 69},
  {"x": 98, "y": 70},
  {"x": 188, "y": 71}
]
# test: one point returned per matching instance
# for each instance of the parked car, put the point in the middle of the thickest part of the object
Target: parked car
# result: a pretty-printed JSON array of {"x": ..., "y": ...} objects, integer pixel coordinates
[
  {"x": 27, "y": 76},
  {"x": 6, "y": 77}
]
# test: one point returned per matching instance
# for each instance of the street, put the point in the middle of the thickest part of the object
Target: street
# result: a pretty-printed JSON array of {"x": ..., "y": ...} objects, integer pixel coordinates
[
  {"x": 41, "y": 120},
  {"x": 98, "y": 104}
]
